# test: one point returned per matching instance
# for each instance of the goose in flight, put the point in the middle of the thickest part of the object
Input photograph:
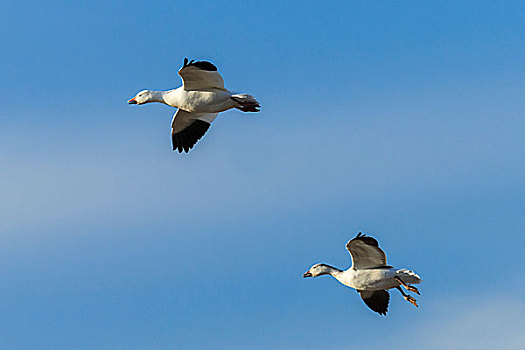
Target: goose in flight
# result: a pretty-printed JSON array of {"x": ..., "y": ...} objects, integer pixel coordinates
[
  {"x": 200, "y": 98},
  {"x": 370, "y": 275}
]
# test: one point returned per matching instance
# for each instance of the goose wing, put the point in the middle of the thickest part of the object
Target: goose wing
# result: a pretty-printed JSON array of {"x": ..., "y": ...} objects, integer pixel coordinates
[
  {"x": 365, "y": 252},
  {"x": 200, "y": 75},
  {"x": 187, "y": 128},
  {"x": 376, "y": 300}
]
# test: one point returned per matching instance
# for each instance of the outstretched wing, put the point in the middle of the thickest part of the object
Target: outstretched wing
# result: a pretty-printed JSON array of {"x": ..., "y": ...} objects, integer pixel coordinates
[
  {"x": 365, "y": 252},
  {"x": 376, "y": 300},
  {"x": 200, "y": 75},
  {"x": 187, "y": 128}
]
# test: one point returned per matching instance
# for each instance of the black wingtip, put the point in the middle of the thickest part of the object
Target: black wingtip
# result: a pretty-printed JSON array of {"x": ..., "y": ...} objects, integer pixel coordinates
[
  {"x": 367, "y": 239},
  {"x": 361, "y": 235},
  {"x": 184, "y": 140},
  {"x": 378, "y": 301},
  {"x": 204, "y": 65}
]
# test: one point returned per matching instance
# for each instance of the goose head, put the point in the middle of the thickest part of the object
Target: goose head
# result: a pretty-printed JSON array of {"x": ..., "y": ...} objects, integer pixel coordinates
[
  {"x": 142, "y": 97},
  {"x": 318, "y": 270}
]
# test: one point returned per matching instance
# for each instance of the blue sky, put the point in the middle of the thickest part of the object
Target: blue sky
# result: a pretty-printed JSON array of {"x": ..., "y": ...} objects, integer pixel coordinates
[{"x": 399, "y": 119}]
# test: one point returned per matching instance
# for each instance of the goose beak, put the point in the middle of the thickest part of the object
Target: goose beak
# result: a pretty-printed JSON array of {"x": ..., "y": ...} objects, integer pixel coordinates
[
  {"x": 307, "y": 274},
  {"x": 132, "y": 101}
]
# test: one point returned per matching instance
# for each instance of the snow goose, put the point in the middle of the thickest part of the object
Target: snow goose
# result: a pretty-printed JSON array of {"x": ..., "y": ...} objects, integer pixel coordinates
[
  {"x": 370, "y": 275},
  {"x": 200, "y": 98}
]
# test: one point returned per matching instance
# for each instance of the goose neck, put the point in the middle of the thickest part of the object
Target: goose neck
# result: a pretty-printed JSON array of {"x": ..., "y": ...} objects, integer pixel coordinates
[{"x": 158, "y": 96}]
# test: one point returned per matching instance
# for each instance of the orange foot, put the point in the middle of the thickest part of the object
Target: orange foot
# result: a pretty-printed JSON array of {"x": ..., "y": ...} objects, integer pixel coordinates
[
  {"x": 411, "y": 300},
  {"x": 412, "y": 289}
]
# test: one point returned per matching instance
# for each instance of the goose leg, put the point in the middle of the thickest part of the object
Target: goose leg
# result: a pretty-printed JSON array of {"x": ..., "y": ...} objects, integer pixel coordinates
[
  {"x": 407, "y": 297},
  {"x": 407, "y": 286}
]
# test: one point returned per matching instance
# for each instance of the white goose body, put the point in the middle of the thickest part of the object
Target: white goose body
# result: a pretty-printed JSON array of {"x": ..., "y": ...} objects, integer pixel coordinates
[
  {"x": 370, "y": 275},
  {"x": 213, "y": 101},
  {"x": 200, "y": 98},
  {"x": 373, "y": 279}
]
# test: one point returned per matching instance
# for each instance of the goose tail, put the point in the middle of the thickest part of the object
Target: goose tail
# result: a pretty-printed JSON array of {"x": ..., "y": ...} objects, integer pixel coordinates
[
  {"x": 246, "y": 103},
  {"x": 408, "y": 276}
]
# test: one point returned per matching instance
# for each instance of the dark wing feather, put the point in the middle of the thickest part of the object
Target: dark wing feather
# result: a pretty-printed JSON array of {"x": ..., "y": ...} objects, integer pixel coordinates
[
  {"x": 376, "y": 300},
  {"x": 365, "y": 252},
  {"x": 204, "y": 65},
  {"x": 188, "y": 137},
  {"x": 200, "y": 75},
  {"x": 367, "y": 239}
]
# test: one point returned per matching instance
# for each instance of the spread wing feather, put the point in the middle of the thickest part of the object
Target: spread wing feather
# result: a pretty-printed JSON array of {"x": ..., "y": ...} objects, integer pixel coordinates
[
  {"x": 188, "y": 128},
  {"x": 200, "y": 75},
  {"x": 365, "y": 252},
  {"x": 376, "y": 300}
]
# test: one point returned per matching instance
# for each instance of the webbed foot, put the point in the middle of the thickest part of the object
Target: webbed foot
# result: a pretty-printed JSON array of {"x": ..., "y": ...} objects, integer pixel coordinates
[{"x": 411, "y": 300}]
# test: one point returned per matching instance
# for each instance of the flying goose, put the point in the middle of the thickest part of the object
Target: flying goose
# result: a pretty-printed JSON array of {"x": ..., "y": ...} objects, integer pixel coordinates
[
  {"x": 200, "y": 98},
  {"x": 370, "y": 275}
]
